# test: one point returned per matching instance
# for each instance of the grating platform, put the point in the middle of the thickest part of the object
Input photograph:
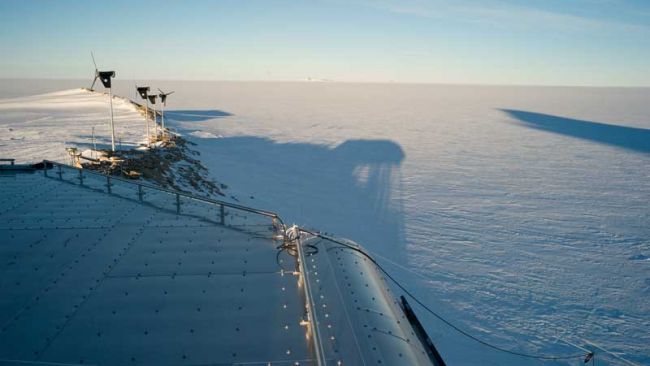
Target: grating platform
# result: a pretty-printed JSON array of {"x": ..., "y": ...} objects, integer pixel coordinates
[{"x": 88, "y": 277}]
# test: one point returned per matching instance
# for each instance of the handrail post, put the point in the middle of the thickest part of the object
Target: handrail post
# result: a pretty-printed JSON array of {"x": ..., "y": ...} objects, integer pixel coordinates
[
  {"x": 178, "y": 203},
  {"x": 45, "y": 168},
  {"x": 60, "y": 172},
  {"x": 222, "y": 213},
  {"x": 140, "y": 192},
  {"x": 108, "y": 184},
  {"x": 81, "y": 177}
]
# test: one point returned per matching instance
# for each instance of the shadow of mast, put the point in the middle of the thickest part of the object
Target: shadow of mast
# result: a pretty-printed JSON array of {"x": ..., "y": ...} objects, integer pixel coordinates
[{"x": 630, "y": 138}]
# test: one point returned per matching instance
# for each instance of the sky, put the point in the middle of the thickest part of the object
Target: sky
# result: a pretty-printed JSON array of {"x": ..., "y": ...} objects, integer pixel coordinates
[{"x": 534, "y": 42}]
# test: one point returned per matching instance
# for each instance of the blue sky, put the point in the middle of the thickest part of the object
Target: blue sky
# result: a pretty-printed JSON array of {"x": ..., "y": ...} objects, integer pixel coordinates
[{"x": 536, "y": 42}]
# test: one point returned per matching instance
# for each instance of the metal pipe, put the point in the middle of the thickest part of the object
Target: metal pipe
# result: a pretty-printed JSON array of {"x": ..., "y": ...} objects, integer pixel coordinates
[
  {"x": 162, "y": 119},
  {"x": 110, "y": 98},
  {"x": 311, "y": 313},
  {"x": 146, "y": 117},
  {"x": 155, "y": 122}
]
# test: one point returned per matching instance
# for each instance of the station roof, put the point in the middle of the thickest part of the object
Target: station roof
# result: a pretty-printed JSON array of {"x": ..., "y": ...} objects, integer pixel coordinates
[
  {"x": 102, "y": 271},
  {"x": 88, "y": 277}
]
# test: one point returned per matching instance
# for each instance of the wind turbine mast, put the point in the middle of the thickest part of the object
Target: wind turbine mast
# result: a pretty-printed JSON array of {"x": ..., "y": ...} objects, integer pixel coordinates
[
  {"x": 163, "y": 102},
  {"x": 144, "y": 94},
  {"x": 105, "y": 77},
  {"x": 152, "y": 100}
]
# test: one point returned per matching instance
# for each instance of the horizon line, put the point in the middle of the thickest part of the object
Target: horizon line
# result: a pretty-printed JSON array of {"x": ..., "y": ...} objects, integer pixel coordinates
[{"x": 329, "y": 81}]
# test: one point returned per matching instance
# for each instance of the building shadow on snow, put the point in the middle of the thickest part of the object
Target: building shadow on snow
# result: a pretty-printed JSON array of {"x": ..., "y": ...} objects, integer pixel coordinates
[
  {"x": 631, "y": 138},
  {"x": 352, "y": 190}
]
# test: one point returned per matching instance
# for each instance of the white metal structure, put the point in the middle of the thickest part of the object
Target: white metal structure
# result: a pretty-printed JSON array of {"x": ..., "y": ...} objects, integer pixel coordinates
[
  {"x": 163, "y": 101},
  {"x": 105, "y": 77},
  {"x": 143, "y": 91},
  {"x": 98, "y": 270},
  {"x": 110, "y": 99}
]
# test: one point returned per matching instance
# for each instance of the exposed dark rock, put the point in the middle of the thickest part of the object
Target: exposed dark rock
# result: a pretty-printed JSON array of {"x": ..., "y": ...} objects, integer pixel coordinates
[{"x": 170, "y": 167}]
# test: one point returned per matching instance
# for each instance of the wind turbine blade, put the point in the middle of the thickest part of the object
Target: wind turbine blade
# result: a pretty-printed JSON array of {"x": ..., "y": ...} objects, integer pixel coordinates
[
  {"x": 170, "y": 93},
  {"x": 96, "y": 75},
  {"x": 161, "y": 92},
  {"x": 94, "y": 63}
]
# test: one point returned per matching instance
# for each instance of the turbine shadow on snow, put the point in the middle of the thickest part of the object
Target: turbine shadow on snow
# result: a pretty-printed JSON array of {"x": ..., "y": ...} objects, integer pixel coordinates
[
  {"x": 631, "y": 138},
  {"x": 195, "y": 115}
]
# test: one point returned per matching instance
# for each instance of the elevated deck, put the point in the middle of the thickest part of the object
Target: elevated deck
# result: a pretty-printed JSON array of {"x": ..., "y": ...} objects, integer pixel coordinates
[{"x": 96, "y": 270}]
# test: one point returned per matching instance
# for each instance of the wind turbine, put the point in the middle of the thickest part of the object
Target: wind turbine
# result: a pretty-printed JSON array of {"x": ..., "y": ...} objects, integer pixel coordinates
[
  {"x": 144, "y": 93},
  {"x": 163, "y": 101},
  {"x": 152, "y": 100},
  {"x": 105, "y": 77}
]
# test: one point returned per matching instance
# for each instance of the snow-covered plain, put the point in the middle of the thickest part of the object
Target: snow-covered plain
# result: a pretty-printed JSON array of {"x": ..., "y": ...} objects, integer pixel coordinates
[
  {"x": 521, "y": 213},
  {"x": 41, "y": 126}
]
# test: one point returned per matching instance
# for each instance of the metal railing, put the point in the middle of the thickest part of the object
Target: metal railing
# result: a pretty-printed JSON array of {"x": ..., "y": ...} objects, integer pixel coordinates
[{"x": 230, "y": 214}]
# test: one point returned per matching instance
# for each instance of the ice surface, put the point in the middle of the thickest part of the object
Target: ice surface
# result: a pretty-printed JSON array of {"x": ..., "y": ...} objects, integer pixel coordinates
[{"x": 521, "y": 212}]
